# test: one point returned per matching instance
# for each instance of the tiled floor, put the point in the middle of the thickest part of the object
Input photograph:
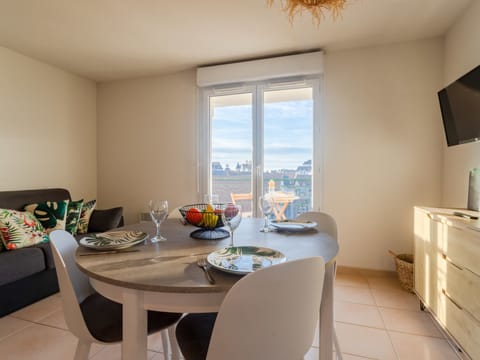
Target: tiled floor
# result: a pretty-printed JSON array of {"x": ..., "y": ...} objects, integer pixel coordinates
[{"x": 375, "y": 319}]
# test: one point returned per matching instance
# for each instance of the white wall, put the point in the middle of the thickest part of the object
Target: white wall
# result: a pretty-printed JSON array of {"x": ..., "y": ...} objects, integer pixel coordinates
[
  {"x": 383, "y": 147},
  {"x": 47, "y": 127},
  {"x": 147, "y": 142},
  {"x": 383, "y": 151},
  {"x": 462, "y": 54}
]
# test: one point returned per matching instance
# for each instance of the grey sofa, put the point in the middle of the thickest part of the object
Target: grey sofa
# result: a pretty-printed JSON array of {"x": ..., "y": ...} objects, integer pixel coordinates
[{"x": 28, "y": 274}]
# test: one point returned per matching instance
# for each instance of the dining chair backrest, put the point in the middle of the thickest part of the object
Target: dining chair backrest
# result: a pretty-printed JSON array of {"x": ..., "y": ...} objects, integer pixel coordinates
[
  {"x": 326, "y": 223},
  {"x": 74, "y": 285},
  {"x": 270, "y": 314}
]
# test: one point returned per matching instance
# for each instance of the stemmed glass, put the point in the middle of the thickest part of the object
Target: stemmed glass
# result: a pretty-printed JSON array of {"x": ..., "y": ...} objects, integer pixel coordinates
[
  {"x": 231, "y": 217},
  {"x": 158, "y": 213},
  {"x": 266, "y": 205}
]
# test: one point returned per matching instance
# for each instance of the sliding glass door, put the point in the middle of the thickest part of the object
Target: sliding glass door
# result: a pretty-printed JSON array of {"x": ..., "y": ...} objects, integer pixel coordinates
[{"x": 260, "y": 140}]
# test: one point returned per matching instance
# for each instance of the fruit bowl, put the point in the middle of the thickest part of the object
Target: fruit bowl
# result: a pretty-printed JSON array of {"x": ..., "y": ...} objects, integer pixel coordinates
[{"x": 208, "y": 218}]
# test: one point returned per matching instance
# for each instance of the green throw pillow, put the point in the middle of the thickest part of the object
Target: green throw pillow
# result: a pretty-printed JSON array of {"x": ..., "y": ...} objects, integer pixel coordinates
[
  {"x": 87, "y": 210},
  {"x": 20, "y": 229},
  {"x": 52, "y": 214},
  {"x": 73, "y": 216}
]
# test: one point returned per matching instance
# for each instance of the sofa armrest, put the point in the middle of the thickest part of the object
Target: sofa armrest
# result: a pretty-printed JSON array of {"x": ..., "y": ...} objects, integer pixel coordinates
[{"x": 104, "y": 220}]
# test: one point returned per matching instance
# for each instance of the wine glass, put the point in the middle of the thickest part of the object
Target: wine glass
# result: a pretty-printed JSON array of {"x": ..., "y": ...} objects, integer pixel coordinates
[
  {"x": 158, "y": 213},
  {"x": 231, "y": 217},
  {"x": 266, "y": 205}
]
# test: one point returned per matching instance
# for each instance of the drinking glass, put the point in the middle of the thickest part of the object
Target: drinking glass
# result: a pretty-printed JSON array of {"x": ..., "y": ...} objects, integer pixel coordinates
[
  {"x": 158, "y": 213},
  {"x": 266, "y": 205},
  {"x": 211, "y": 199},
  {"x": 231, "y": 217}
]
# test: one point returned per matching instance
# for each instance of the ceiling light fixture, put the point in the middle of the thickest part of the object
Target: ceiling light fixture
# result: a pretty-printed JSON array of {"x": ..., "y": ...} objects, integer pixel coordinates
[{"x": 315, "y": 7}]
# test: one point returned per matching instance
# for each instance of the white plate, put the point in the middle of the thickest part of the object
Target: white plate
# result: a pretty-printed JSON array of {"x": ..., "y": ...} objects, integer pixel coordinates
[
  {"x": 242, "y": 260},
  {"x": 113, "y": 240},
  {"x": 293, "y": 225}
]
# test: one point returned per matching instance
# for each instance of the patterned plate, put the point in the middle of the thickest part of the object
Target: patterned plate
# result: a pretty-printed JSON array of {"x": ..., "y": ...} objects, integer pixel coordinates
[
  {"x": 113, "y": 240},
  {"x": 293, "y": 225},
  {"x": 244, "y": 259}
]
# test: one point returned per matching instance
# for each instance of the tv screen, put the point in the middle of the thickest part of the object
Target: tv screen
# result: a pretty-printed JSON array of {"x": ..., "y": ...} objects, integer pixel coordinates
[{"x": 460, "y": 106}]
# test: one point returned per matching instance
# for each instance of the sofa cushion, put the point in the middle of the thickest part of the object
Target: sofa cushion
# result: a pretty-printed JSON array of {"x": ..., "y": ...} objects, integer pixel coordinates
[
  {"x": 87, "y": 210},
  {"x": 73, "y": 216},
  {"x": 104, "y": 220},
  {"x": 20, "y": 229},
  {"x": 52, "y": 214},
  {"x": 19, "y": 264}
]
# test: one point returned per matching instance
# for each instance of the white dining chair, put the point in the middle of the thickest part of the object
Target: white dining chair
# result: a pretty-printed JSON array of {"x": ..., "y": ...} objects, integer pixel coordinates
[
  {"x": 325, "y": 223},
  {"x": 269, "y": 314},
  {"x": 91, "y": 317}
]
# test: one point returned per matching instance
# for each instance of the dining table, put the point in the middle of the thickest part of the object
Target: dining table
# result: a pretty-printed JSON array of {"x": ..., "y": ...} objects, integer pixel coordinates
[{"x": 165, "y": 276}]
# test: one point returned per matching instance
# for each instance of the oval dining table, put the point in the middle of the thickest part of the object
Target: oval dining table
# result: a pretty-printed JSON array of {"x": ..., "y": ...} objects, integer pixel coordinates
[{"x": 164, "y": 276}]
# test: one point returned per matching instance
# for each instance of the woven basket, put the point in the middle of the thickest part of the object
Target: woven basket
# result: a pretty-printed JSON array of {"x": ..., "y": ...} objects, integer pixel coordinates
[{"x": 404, "y": 265}]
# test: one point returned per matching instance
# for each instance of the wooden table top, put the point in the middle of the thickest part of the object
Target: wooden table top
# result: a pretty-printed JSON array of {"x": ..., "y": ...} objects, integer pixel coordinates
[{"x": 170, "y": 266}]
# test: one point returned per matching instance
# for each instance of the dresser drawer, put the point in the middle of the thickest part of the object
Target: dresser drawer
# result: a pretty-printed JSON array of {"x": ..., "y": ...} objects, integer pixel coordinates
[
  {"x": 463, "y": 287},
  {"x": 463, "y": 248},
  {"x": 464, "y": 328}
]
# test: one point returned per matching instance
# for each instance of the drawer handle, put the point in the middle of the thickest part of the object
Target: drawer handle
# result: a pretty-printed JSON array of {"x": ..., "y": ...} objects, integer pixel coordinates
[
  {"x": 453, "y": 301},
  {"x": 445, "y": 257}
]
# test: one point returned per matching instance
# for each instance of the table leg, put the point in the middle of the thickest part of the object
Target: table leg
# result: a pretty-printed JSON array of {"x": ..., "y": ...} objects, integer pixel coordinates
[
  {"x": 134, "y": 344},
  {"x": 325, "y": 324}
]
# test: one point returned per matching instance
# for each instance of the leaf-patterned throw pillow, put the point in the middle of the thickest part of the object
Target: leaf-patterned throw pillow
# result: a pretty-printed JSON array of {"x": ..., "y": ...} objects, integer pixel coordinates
[
  {"x": 73, "y": 216},
  {"x": 20, "y": 229},
  {"x": 52, "y": 214},
  {"x": 87, "y": 210}
]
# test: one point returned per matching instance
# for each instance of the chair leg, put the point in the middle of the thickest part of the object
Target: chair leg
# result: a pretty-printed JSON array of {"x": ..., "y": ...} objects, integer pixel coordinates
[
  {"x": 83, "y": 350},
  {"x": 173, "y": 343},
  {"x": 338, "y": 352},
  {"x": 165, "y": 344}
]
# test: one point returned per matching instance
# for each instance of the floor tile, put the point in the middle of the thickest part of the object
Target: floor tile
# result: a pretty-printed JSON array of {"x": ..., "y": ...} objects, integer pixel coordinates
[
  {"x": 409, "y": 347},
  {"x": 40, "y": 309},
  {"x": 413, "y": 322},
  {"x": 365, "y": 341},
  {"x": 358, "y": 295},
  {"x": 55, "y": 319},
  {"x": 348, "y": 279},
  {"x": 38, "y": 342},
  {"x": 354, "y": 357},
  {"x": 397, "y": 299},
  {"x": 384, "y": 282},
  {"x": 10, "y": 325},
  {"x": 359, "y": 314},
  {"x": 114, "y": 352},
  {"x": 155, "y": 342}
]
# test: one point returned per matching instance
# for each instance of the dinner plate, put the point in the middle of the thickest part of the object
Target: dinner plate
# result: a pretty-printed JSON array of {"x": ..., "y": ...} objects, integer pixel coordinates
[
  {"x": 244, "y": 259},
  {"x": 293, "y": 225},
  {"x": 113, "y": 240}
]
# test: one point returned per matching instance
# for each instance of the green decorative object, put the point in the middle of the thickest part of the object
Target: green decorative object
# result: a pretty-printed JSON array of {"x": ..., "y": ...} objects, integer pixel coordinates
[
  {"x": 244, "y": 259},
  {"x": 20, "y": 229},
  {"x": 87, "y": 210},
  {"x": 73, "y": 216},
  {"x": 113, "y": 240},
  {"x": 52, "y": 214}
]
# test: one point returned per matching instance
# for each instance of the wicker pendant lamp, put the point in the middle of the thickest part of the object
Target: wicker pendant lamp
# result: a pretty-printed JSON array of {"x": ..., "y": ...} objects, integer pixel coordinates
[{"x": 316, "y": 7}]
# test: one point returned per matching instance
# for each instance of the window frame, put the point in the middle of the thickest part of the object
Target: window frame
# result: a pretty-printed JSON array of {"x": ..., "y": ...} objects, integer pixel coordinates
[{"x": 257, "y": 89}]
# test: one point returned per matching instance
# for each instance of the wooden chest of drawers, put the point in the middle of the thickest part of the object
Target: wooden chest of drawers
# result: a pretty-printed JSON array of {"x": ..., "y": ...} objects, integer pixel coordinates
[{"x": 447, "y": 273}]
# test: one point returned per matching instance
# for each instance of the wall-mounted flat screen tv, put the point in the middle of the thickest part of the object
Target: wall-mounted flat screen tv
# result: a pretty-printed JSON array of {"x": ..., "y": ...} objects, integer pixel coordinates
[{"x": 460, "y": 106}]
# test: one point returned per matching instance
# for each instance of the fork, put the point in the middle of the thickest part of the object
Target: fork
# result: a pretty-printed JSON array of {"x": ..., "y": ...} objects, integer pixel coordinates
[{"x": 202, "y": 264}]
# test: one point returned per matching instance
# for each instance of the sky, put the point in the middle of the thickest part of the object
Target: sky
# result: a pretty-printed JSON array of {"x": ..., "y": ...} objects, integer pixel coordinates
[{"x": 288, "y": 134}]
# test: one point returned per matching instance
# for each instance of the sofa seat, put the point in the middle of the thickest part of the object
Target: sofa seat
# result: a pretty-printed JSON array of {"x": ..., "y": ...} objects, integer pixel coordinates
[
  {"x": 28, "y": 274},
  {"x": 21, "y": 263}
]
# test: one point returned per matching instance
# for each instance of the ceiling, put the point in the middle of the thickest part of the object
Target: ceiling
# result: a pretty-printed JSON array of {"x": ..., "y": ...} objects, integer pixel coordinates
[{"x": 114, "y": 39}]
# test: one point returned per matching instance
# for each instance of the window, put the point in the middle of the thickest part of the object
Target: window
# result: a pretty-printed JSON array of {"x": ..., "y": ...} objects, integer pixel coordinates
[{"x": 262, "y": 138}]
